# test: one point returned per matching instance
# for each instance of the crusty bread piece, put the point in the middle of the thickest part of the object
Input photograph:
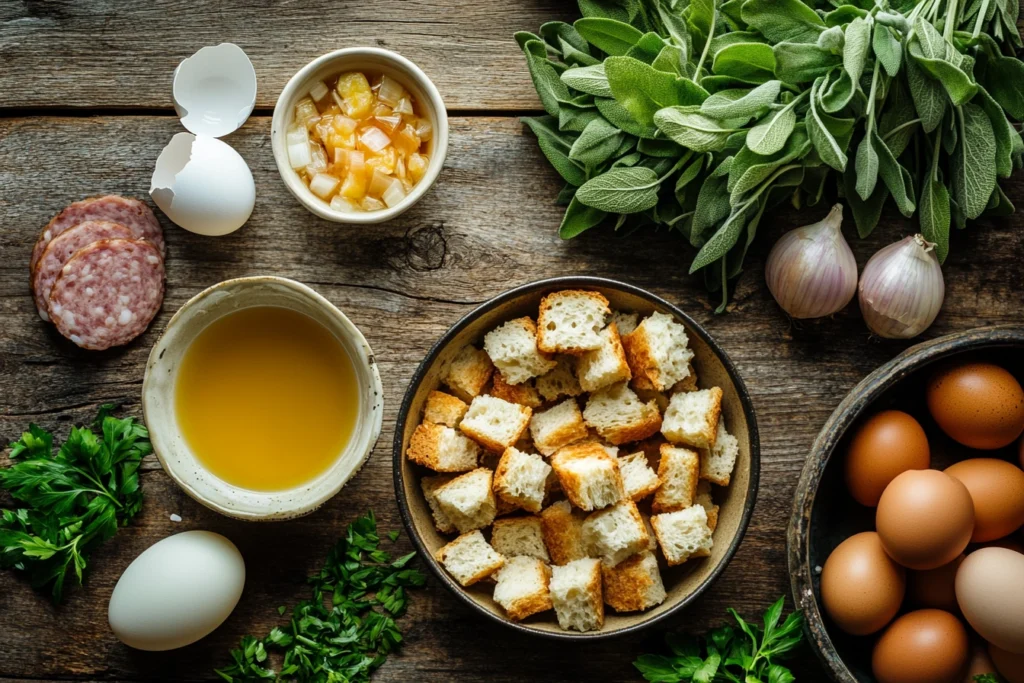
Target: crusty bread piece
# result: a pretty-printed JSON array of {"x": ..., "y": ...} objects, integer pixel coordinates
[
  {"x": 468, "y": 500},
  {"x": 469, "y": 558},
  {"x": 512, "y": 348},
  {"x": 570, "y": 321},
  {"x": 521, "y": 478},
  {"x": 515, "y": 536},
  {"x": 692, "y": 417},
  {"x": 589, "y": 477},
  {"x": 522, "y": 587},
  {"x": 469, "y": 373},
  {"x": 626, "y": 322},
  {"x": 717, "y": 462},
  {"x": 429, "y": 485},
  {"x": 576, "y": 594},
  {"x": 679, "y": 470},
  {"x": 561, "y": 381},
  {"x": 524, "y": 394},
  {"x": 704, "y": 500},
  {"x": 615, "y": 533},
  {"x": 619, "y": 416},
  {"x": 494, "y": 423},
  {"x": 683, "y": 534},
  {"x": 444, "y": 409},
  {"x": 634, "y": 584},
  {"x": 652, "y": 542},
  {"x": 637, "y": 476},
  {"x": 604, "y": 365},
  {"x": 442, "y": 449},
  {"x": 688, "y": 383},
  {"x": 563, "y": 532},
  {"x": 657, "y": 352},
  {"x": 558, "y": 426}
]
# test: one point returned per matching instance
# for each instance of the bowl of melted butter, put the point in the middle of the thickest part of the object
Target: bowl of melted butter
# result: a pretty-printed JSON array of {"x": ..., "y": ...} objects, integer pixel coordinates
[{"x": 262, "y": 398}]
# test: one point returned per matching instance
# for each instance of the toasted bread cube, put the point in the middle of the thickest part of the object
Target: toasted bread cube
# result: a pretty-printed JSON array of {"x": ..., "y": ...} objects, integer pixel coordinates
[
  {"x": 576, "y": 594},
  {"x": 717, "y": 462},
  {"x": 469, "y": 558},
  {"x": 604, "y": 365},
  {"x": 652, "y": 542},
  {"x": 524, "y": 394},
  {"x": 494, "y": 423},
  {"x": 619, "y": 416},
  {"x": 505, "y": 507},
  {"x": 615, "y": 533},
  {"x": 571, "y": 321},
  {"x": 625, "y": 322},
  {"x": 637, "y": 476},
  {"x": 512, "y": 348},
  {"x": 563, "y": 533},
  {"x": 561, "y": 381},
  {"x": 679, "y": 470},
  {"x": 442, "y": 449},
  {"x": 558, "y": 426},
  {"x": 444, "y": 409},
  {"x": 521, "y": 478},
  {"x": 468, "y": 500},
  {"x": 589, "y": 477},
  {"x": 469, "y": 373},
  {"x": 523, "y": 587},
  {"x": 692, "y": 417},
  {"x": 429, "y": 485},
  {"x": 658, "y": 352},
  {"x": 683, "y": 534},
  {"x": 516, "y": 536},
  {"x": 704, "y": 500},
  {"x": 688, "y": 383},
  {"x": 634, "y": 584}
]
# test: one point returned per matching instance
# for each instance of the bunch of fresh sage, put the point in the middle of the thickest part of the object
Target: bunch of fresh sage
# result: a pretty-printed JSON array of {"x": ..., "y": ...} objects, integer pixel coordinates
[{"x": 700, "y": 114}]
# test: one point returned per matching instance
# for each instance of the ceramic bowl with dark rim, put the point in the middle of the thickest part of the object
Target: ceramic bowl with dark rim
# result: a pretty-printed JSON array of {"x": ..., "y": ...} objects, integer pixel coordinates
[
  {"x": 824, "y": 513},
  {"x": 682, "y": 583}
]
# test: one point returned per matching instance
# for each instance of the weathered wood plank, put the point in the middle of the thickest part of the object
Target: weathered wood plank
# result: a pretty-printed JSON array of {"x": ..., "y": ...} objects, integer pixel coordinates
[
  {"x": 489, "y": 224},
  {"x": 123, "y": 54}
]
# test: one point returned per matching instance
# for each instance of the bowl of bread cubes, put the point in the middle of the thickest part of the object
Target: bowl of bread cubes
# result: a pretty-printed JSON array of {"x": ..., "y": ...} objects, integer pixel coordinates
[{"x": 576, "y": 459}]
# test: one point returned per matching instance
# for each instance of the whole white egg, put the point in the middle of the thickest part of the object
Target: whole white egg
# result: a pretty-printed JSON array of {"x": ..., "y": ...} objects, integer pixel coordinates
[{"x": 177, "y": 591}]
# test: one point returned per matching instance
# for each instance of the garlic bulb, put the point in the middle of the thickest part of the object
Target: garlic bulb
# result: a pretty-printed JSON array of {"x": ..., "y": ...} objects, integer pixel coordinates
[
  {"x": 901, "y": 289},
  {"x": 811, "y": 271}
]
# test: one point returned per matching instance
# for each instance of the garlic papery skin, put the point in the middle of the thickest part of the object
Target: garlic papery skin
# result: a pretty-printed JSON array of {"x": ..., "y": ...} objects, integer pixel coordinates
[
  {"x": 901, "y": 289},
  {"x": 811, "y": 270}
]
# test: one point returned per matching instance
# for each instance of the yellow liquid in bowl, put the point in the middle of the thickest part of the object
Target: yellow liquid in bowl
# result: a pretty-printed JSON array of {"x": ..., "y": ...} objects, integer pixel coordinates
[{"x": 266, "y": 398}]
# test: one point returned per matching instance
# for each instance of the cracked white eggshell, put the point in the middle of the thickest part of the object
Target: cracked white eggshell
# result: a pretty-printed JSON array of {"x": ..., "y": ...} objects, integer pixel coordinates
[
  {"x": 203, "y": 185},
  {"x": 177, "y": 591},
  {"x": 215, "y": 90}
]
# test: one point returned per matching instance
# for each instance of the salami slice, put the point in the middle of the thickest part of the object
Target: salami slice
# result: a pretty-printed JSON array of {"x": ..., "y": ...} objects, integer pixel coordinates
[
  {"x": 108, "y": 292},
  {"x": 61, "y": 248},
  {"x": 131, "y": 213}
]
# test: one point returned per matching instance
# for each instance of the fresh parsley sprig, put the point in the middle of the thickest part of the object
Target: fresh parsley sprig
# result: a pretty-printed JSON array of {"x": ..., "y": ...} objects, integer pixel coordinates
[
  {"x": 989, "y": 678},
  {"x": 747, "y": 654},
  {"x": 74, "y": 499},
  {"x": 347, "y": 629}
]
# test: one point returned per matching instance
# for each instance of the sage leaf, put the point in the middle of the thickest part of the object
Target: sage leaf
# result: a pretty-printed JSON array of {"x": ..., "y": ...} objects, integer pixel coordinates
[
  {"x": 662, "y": 149},
  {"x": 642, "y": 90},
  {"x": 622, "y": 119},
  {"x": 579, "y": 218},
  {"x": 675, "y": 24},
  {"x": 747, "y": 62},
  {"x": 750, "y": 169},
  {"x": 797, "y": 63},
  {"x": 608, "y": 35},
  {"x": 555, "y": 146},
  {"x": 899, "y": 120},
  {"x": 783, "y": 20},
  {"x": 867, "y": 168},
  {"x": 712, "y": 206},
  {"x": 574, "y": 117},
  {"x": 596, "y": 144},
  {"x": 549, "y": 86},
  {"x": 821, "y": 135},
  {"x": 1005, "y": 81},
  {"x": 524, "y": 37},
  {"x": 647, "y": 48},
  {"x": 895, "y": 177},
  {"x": 958, "y": 85},
  {"x": 835, "y": 94},
  {"x": 974, "y": 164},
  {"x": 1003, "y": 131},
  {"x": 690, "y": 172},
  {"x": 844, "y": 14},
  {"x": 591, "y": 80},
  {"x": 866, "y": 212},
  {"x": 929, "y": 97},
  {"x": 605, "y": 9},
  {"x": 934, "y": 215},
  {"x": 746, "y": 104},
  {"x": 858, "y": 43},
  {"x": 832, "y": 40},
  {"x": 557, "y": 32},
  {"x": 691, "y": 129},
  {"x": 771, "y": 133},
  {"x": 621, "y": 190},
  {"x": 574, "y": 57},
  {"x": 703, "y": 18},
  {"x": 670, "y": 60},
  {"x": 887, "y": 49}
]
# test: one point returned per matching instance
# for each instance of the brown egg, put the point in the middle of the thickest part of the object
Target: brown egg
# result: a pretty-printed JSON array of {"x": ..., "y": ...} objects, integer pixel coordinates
[
  {"x": 886, "y": 445},
  {"x": 980, "y": 663},
  {"x": 981, "y": 405},
  {"x": 1021, "y": 454},
  {"x": 861, "y": 587},
  {"x": 997, "y": 489},
  {"x": 935, "y": 588},
  {"x": 926, "y": 646},
  {"x": 925, "y": 519},
  {"x": 1009, "y": 664}
]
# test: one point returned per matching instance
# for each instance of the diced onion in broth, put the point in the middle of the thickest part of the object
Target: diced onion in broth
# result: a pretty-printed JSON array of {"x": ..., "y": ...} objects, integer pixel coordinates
[
  {"x": 323, "y": 185},
  {"x": 394, "y": 194},
  {"x": 391, "y": 91},
  {"x": 374, "y": 139}
]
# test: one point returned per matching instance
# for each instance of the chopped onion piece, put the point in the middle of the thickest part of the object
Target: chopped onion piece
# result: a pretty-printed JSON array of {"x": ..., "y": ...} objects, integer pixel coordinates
[
  {"x": 299, "y": 154},
  {"x": 374, "y": 139},
  {"x": 400, "y": 169},
  {"x": 389, "y": 123},
  {"x": 394, "y": 194},
  {"x": 424, "y": 129},
  {"x": 319, "y": 162},
  {"x": 338, "y": 101},
  {"x": 379, "y": 183},
  {"x": 297, "y": 134},
  {"x": 306, "y": 110},
  {"x": 339, "y": 203},
  {"x": 343, "y": 124},
  {"x": 323, "y": 185},
  {"x": 404, "y": 106},
  {"x": 391, "y": 91},
  {"x": 319, "y": 91},
  {"x": 371, "y": 204}
]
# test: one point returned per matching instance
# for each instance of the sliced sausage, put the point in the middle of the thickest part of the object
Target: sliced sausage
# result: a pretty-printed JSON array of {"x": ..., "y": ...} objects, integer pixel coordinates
[
  {"x": 108, "y": 292},
  {"x": 61, "y": 248},
  {"x": 131, "y": 213}
]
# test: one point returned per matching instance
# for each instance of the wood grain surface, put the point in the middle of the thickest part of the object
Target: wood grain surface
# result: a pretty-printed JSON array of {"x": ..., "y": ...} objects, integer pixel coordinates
[{"x": 489, "y": 224}]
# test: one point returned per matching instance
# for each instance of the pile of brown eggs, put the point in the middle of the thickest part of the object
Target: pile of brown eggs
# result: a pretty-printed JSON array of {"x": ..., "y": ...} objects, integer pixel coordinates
[{"x": 945, "y": 555}]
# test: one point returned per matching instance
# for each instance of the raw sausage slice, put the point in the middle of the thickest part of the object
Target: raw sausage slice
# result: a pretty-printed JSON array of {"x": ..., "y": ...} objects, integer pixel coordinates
[
  {"x": 108, "y": 292},
  {"x": 131, "y": 213},
  {"x": 61, "y": 248}
]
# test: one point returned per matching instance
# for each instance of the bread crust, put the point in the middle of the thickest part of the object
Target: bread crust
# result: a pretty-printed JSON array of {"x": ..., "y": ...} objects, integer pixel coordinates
[
  {"x": 626, "y": 585},
  {"x": 501, "y": 484},
  {"x": 666, "y": 471},
  {"x": 563, "y": 534},
  {"x": 444, "y": 409},
  {"x": 522, "y": 394},
  {"x": 571, "y": 482},
  {"x": 649, "y": 425},
  {"x": 469, "y": 373},
  {"x": 534, "y": 603},
  {"x": 544, "y": 343},
  {"x": 443, "y": 551}
]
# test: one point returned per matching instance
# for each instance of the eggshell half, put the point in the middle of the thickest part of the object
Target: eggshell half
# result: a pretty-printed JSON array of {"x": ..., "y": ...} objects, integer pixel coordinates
[
  {"x": 990, "y": 591},
  {"x": 215, "y": 90}
]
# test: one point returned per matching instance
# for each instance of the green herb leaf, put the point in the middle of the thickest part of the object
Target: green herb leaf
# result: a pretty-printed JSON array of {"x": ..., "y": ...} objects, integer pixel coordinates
[
  {"x": 896, "y": 178},
  {"x": 549, "y": 87},
  {"x": 928, "y": 95},
  {"x": 857, "y": 46},
  {"x": 621, "y": 190},
  {"x": 974, "y": 164},
  {"x": 735, "y": 104},
  {"x": 608, "y": 35},
  {"x": 934, "y": 215},
  {"x": 691, "y": 129},
  {"x": 620, "y": 117},
  {"x": 797, "y": 63},
  {"x": 746, "y": 62},
  {"x": 887, "y": 49},
  {"x": 866, "y": 212},
  {"x": 642, "y": 90},
  {"x": 556, "y": 146},
  {"x": 578, "y": 219},
  {"x": 867, "y": 167},
  {"x": 1004, "y": 79},
  {"x": 824, "y": 130},
  {"x": 783, "y": 20},
  {"x": 591, "y": 80},
  {"x": 769, "y": 135},
  {"x": 596, "y": 144}
]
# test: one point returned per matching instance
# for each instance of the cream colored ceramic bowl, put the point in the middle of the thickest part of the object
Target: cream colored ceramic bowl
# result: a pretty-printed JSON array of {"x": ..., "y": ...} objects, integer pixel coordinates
[
  {"x": 377, "y": 60},
  {"x": 158, "y": 399}
]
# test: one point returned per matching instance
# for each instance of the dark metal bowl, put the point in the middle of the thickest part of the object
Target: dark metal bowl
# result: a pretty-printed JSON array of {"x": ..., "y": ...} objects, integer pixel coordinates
[
  {"x": 683, "y": 583},
  {"x": 824, "y": 513}
]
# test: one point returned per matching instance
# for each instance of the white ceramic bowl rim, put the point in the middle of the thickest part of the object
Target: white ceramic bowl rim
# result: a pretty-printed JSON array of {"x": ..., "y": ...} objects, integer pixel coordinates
[
  {"x": 158, "y": 399},
  {"x": 294, "y": 89}
]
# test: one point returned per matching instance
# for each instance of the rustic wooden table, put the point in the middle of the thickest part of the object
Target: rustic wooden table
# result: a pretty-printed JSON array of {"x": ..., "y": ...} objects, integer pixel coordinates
[{"x": 86, "y": 107}]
